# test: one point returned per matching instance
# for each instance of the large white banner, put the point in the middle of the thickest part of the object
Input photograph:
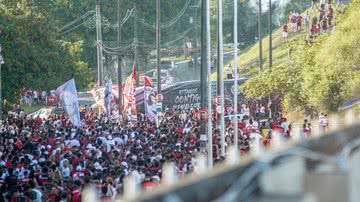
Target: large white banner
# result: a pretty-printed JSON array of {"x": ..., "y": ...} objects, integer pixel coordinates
[
  {"x": 150, "y": 103},
  {"x": 108, "y": 97},
  {"x": 68, "y": 96}
]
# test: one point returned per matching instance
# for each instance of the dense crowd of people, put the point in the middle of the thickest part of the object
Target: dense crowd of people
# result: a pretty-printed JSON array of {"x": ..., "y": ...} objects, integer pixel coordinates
[
  {"x": 29, "y": 97},
  {"x": 50, "y": 160}
]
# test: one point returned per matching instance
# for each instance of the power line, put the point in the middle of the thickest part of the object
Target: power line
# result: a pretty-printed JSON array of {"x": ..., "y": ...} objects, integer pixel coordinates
[
  {"x": 169, "y": 23},
  {"x": 179, "y": 38},
  {"x": 77, "y": 26},
  {"x": 127, "y": 16},
  {"x": 107, "y": 24},
  {"x": 118, "y": 48},
  {"x": 77, "y": 20}
]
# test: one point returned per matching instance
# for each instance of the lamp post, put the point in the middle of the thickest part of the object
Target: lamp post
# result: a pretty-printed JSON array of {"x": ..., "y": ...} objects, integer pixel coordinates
[
  {"x": 260, "y": 38},
  {"x": 194, "y": 20},
  {"x": 221, "y": 69},
  {"x": 270, "y": 49},
  {"x": 1, "y": 100},
  {"x": 235, "y": 74}
]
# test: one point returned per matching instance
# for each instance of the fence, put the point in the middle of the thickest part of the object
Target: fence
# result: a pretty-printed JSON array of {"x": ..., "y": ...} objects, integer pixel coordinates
[{"x": 316, "y": 170}]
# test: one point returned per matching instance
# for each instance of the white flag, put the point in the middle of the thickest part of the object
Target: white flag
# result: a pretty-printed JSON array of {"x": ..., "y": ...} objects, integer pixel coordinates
[
  {"x": 108, "y": 97},
  {"x": 68, "y": 96}
]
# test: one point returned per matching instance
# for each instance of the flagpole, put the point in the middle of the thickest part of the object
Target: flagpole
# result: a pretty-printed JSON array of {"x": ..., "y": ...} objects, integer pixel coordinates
[
  {"x": 221, "y": 68},
  {"x": 235, "y": 74}
]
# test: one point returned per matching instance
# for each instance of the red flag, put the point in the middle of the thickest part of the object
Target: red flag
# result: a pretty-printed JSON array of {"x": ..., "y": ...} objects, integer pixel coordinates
[
  {"x": 129, "y": 101},
  {"x": 147, "y": 81}
]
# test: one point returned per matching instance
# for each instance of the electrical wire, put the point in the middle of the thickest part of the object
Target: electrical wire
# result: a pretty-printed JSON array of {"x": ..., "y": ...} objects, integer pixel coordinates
[
  {"x": 169, "y": 23},
  {"x": 179, "y": 38},
  {"x": 77, "y": 26},
  {"x": 129, "y": 14},
  {"x": 181, "y": 13},
  {"x": 107, "y": 24},
  {"x": 77, "y": 20},
  {"x": 118, "y": 48}
]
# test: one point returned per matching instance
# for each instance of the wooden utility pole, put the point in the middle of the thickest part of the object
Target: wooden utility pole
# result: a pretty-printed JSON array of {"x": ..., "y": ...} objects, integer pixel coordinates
[
  {"x": 158, "y": 38},
  {"x": 136, "y": 53},
  {"x": 119, "y": 60},
  {"x": 236, "y": 138},
  {"x": 100, "y": 68}
]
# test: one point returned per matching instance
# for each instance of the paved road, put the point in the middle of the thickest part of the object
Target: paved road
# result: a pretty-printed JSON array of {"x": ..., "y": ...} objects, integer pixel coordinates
[{"x": 183, "y": 71}]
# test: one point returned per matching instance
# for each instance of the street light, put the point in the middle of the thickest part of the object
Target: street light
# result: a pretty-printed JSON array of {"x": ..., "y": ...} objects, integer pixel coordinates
[{"x": 1, "y": 63}]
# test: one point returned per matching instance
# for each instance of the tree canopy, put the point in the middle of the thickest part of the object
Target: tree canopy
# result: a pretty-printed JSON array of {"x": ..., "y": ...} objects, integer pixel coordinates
[{"x": 34, "y": 57}]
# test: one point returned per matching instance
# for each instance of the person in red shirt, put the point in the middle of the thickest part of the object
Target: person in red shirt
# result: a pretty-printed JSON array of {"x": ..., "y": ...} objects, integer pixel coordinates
[
  {"x": 76, "y": 192},
  {"x": 299, "y": 20},
  {"x": 39, "y": 121}
]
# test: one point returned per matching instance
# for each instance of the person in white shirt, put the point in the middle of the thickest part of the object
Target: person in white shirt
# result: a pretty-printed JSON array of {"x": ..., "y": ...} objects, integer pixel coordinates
[
  {"x": 247, "y": 111},
  {"x": 75, "y": 142},
  {"x": 323, "y": 122},
  {"x": 36, "y": 96},
  {"x": 285, "y": 125},
  {"x": 262, "y": 110},
  {"x": 118, "y": 141},
  {"x": 37, "y": 195},
  {"x": 321, "y": 117}
]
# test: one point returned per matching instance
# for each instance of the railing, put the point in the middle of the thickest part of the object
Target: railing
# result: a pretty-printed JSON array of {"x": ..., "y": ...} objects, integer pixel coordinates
[{"x": 283, "y": 174}]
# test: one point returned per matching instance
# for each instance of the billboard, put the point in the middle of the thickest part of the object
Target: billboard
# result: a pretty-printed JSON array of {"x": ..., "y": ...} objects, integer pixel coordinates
[{"x": 187, "y": 95}]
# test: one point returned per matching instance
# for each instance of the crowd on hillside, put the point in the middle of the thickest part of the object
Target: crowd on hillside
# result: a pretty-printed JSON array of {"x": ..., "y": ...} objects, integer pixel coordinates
[
  {"x": 49, "y": 160},
  {"x": 30, "y": 97},
  {"x": 314, "y": 24}
]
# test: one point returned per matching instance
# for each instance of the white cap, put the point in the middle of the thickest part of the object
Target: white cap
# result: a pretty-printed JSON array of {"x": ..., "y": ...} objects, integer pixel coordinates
[
  {"x": 33, "y": 162},
  {"x": 124, "y": 164},
  {"x": 156, "y": 178}
]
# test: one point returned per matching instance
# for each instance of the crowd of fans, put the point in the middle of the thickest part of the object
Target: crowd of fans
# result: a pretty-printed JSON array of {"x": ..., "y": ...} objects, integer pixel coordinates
[
  {"x": 30, "y": 97},
  {"x": 49, "y": 160},
  {"x": 311, "y": 22}
]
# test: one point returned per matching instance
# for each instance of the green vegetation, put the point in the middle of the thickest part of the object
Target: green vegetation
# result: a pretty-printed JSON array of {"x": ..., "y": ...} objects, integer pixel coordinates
[
  {"x": 321, "y": 76},
  {"x": 34, "y": 57},
  {"x": 31, "y": 108}
]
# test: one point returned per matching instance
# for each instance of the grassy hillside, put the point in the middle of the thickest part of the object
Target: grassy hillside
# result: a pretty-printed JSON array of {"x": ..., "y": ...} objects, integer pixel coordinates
[
  {"x": 248, "y": 60},
  {"x": 321, "y": 76}
]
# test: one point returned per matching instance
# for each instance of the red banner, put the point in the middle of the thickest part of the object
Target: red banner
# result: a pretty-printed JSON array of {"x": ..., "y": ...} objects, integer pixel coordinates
[{"x": 129, "y": 102}]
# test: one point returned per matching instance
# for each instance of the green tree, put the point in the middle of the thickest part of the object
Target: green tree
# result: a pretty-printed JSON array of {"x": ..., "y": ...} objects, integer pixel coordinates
[{"x": 34, "y": 58}]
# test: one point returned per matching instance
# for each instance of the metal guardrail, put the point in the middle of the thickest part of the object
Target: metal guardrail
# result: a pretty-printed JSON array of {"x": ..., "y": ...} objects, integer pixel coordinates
[{"x": 215, "y": 183}]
